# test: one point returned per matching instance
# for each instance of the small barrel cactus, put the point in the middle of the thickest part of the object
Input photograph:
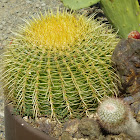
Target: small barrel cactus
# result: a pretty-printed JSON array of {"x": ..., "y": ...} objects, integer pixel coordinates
[
  {"x": 60, "y": 65},
  {"x": 115, "y": 116}
]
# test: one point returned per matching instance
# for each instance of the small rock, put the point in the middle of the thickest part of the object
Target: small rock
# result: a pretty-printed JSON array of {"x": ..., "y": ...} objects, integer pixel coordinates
[
  {"x": 4, "y": 43},
  {"x": 3, "y": 22},
  {"x": 28, "y": 1},
  {"x": 129, "y": 99},
  {"x": 135, "y": 107},
  {"x": 89, "y": 127},
  {"x": 26, "y": 12},
  {"x": 1, "y": 27},
  {"x": 122, "y": 136},
  {"x": 57, "y": 131},
  {"x": 44, "y": 125},
  {"x": 25, "y": 118},
  {"x": 4, "y": 1},
  {"x": 37, "y": 5},
  {"x": 66, "y": 136},
  {"x": 138, "y": 117},
  {"x": 43, "y": 4},
  {"x": 78, "y": 135},
  {"x": 72, "y": 126}
]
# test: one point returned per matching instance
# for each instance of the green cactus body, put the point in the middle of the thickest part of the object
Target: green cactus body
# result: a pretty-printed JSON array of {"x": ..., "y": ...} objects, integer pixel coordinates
[
  {"x": 114, "y": 115},
  {"x": 77, "y": 4},
  {"x": 59, "y": 65},
  {"x": 123, "y": 14}
]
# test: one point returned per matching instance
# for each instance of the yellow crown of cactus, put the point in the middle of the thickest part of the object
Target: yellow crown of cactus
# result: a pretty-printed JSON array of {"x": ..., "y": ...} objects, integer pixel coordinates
[
  {"x": 59, "y": 65},
  {"x": 58, "y": 31}
]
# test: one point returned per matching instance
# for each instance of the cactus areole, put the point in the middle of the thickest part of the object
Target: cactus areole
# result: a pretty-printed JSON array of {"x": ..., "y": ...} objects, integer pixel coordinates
[{"x": 59, "y": 65}]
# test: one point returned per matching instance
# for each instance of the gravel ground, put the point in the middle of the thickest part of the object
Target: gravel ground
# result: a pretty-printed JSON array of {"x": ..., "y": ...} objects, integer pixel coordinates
[{"x": 11, "y": 14}]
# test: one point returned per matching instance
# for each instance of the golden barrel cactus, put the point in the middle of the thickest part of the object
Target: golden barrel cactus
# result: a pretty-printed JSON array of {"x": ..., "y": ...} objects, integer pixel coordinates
[{"x": 59, "y": 64}]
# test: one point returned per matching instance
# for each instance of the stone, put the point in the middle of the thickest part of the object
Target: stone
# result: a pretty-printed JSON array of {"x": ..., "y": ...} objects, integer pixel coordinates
[
  {"x": 134, "y": 102},
  {"x": 121, "y": 136},
  {"x": 72, "y": 126},
  {"x": 138, "y": 117},
  {"x": 77, "y": 135},
  {"x": 126, "y": 61},
  {"x": 1, "y": 27},
  {"x": 135, "y": 107},
  {"x": 28, "y": 1},
  {"x": 43, "y": 4},
  {"x": 66, "y": 136},
  {"x": 4, "y": 1},
  {"x": 129, "y": 99},
  {"x": 89, "y": 127},
  {"x": 37, "y": 5}
]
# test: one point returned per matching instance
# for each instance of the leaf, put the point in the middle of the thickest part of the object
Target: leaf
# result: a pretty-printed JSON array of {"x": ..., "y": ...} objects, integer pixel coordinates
[{"x": 78, "y": 4}]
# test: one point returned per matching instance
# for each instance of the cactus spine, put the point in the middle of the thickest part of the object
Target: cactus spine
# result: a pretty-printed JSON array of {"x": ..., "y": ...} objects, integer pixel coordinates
[{"x": 59, "y": 65}]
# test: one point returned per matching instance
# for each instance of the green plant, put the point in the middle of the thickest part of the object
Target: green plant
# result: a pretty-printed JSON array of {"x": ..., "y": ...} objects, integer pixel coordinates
[
  {"x": 115, "y": 116},
  {"x": 123, "y": 14},
  {"x": 60, "y": 65}
]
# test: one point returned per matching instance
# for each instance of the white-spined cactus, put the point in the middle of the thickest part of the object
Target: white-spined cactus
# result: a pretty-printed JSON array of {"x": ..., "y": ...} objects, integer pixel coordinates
[{"x": 115, "y": 116}]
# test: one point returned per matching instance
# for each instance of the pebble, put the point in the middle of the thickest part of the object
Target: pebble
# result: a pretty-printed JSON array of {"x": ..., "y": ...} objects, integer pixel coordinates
[
  {"x": 121, "y": 136},
  {"x": 4, "y": 1},
  {"x": 90, "y": 128},
  {"x": 43, "y": 4},
  {"x": 37, "y": 5},
  {"x": 1, "y": 27},
  {"x": 3, "y": 23},
  {"x": 66, "y": 136},
  {"x": 28, "y": 1},
  {"x": 71, "y": 126},
  {"x": 129, "y": 99},
  {"x": 138, "y": 117}
]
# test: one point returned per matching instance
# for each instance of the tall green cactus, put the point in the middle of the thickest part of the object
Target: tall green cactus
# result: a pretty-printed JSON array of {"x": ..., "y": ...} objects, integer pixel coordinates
[
  {"x": 123, "y": 14},
  {"x": 77, "y": 4},
  {"x": 59, "y": 65}
]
